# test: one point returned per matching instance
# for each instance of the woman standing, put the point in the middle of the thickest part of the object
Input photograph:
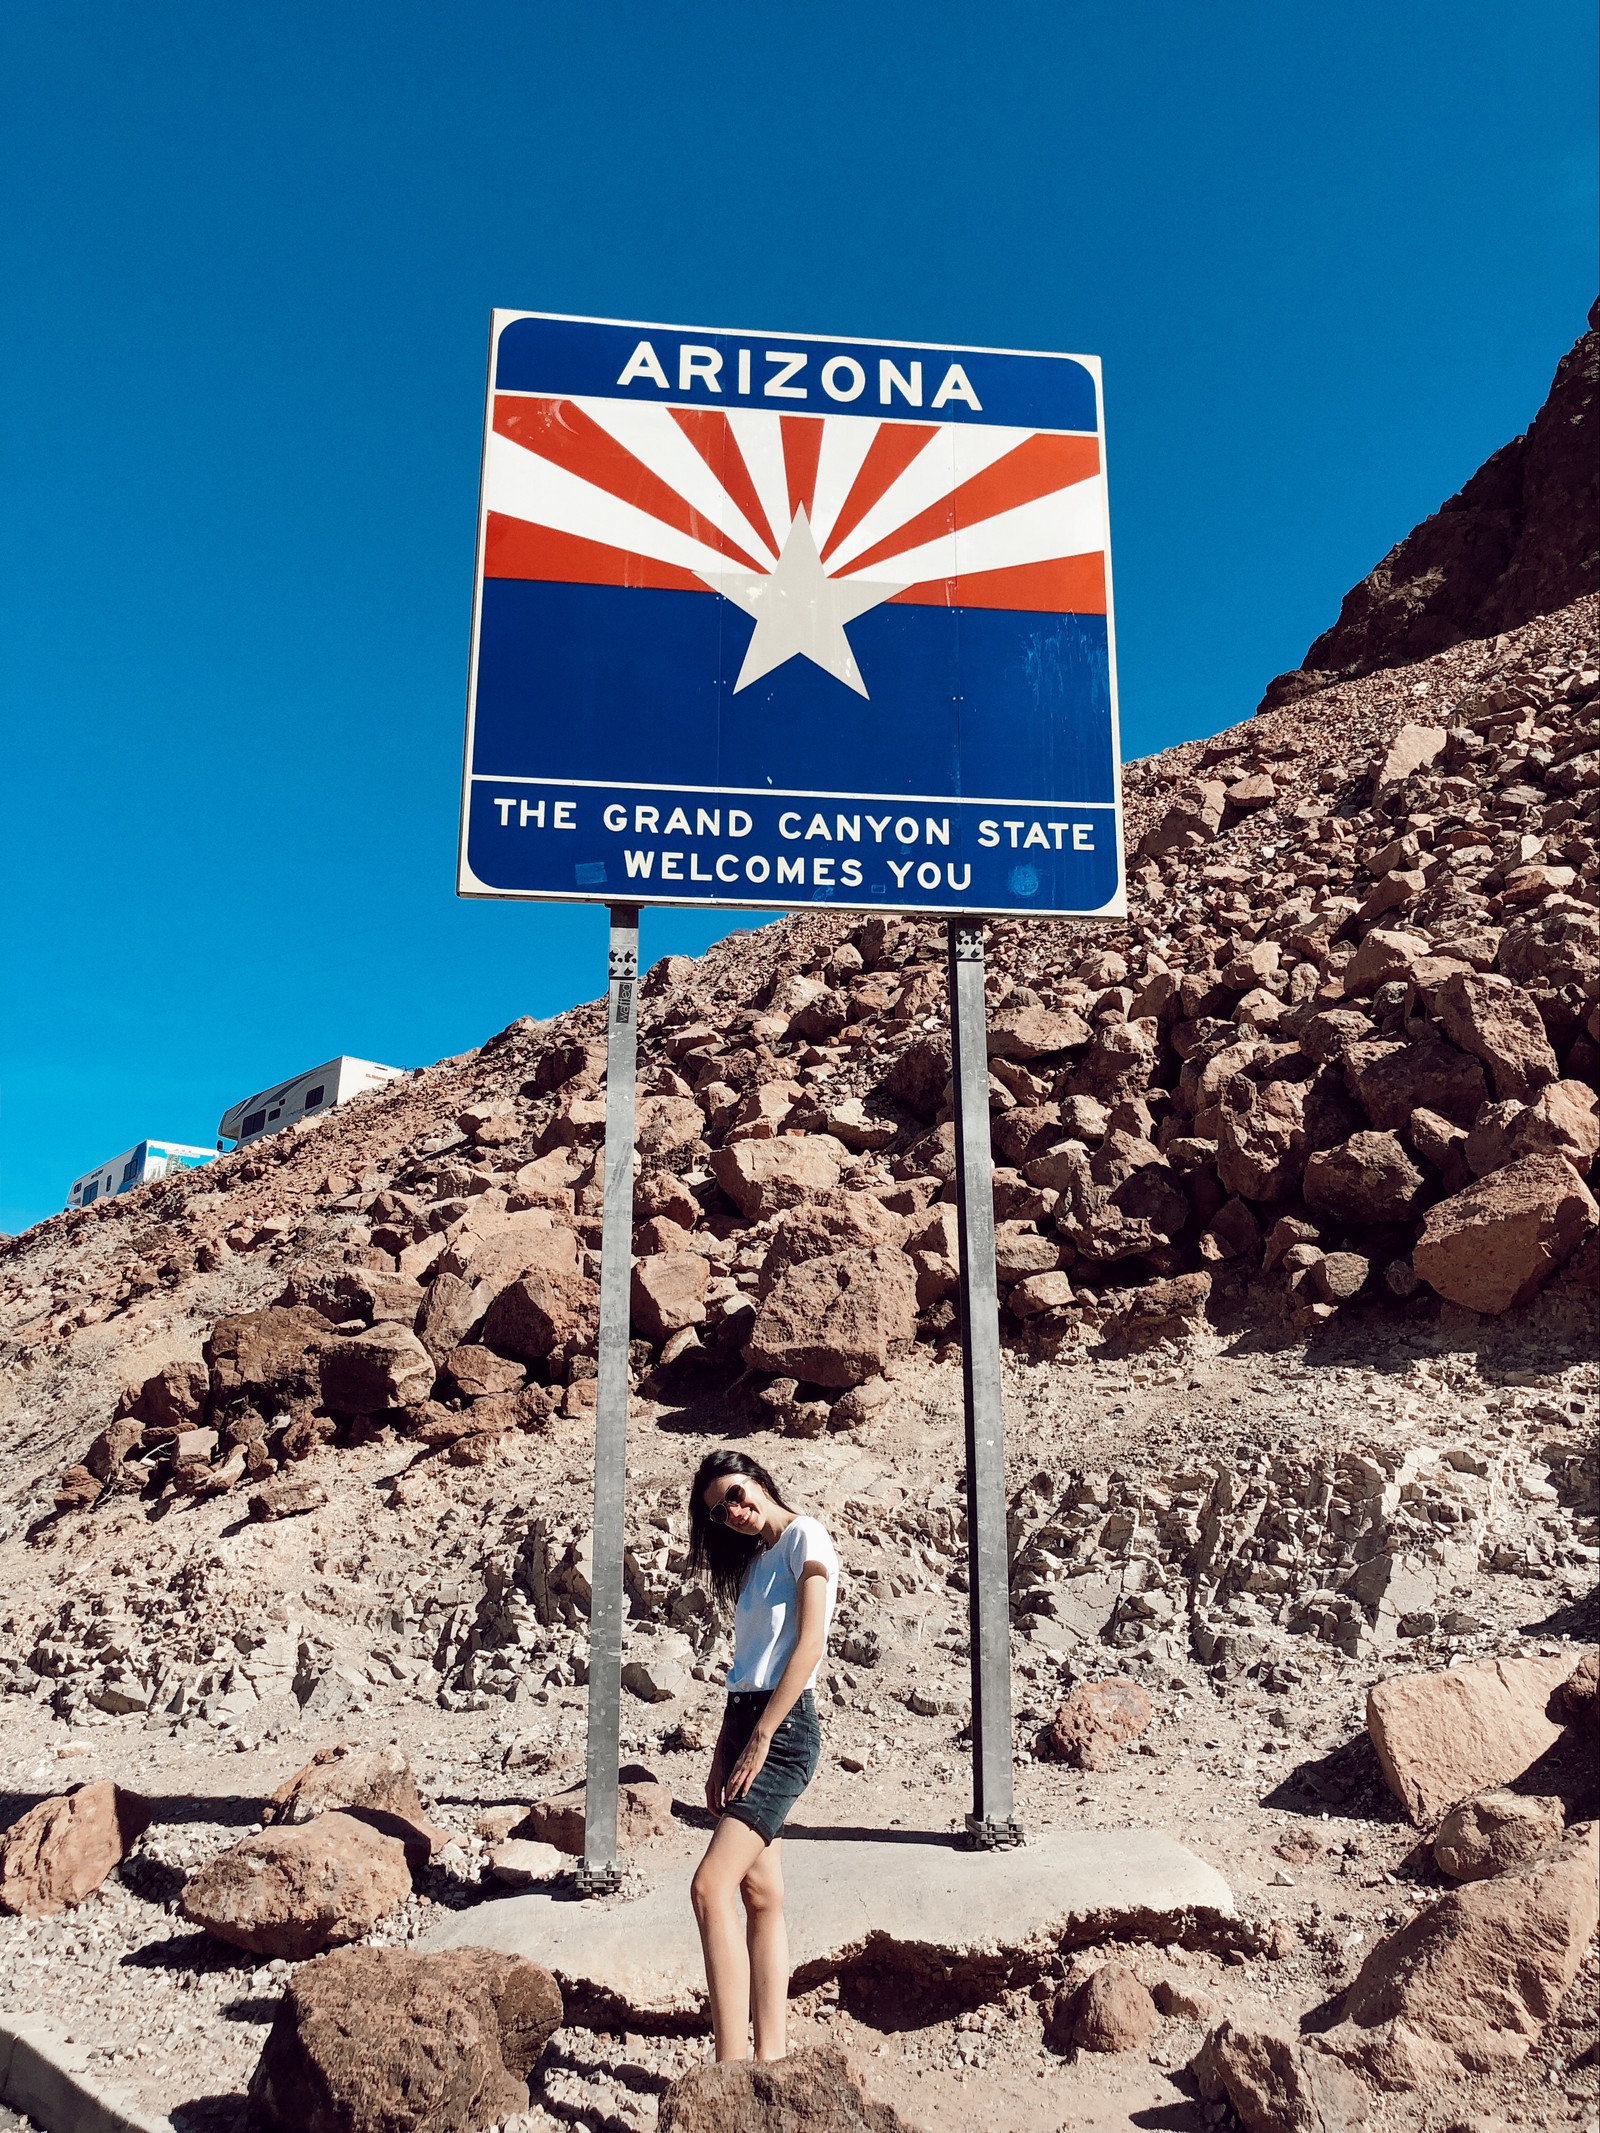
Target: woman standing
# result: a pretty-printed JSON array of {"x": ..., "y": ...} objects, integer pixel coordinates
[{"x": 782, "y": 1573}]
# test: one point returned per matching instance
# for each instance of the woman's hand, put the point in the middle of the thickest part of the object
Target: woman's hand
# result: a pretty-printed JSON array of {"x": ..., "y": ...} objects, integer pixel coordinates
[
  {"x": 714, "y": 1783},
  {"x": 748, "y": 1768}
]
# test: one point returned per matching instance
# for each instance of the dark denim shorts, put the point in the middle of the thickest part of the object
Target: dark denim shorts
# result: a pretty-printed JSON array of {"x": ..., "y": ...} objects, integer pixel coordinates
[{"x": 790, "y": 1765}]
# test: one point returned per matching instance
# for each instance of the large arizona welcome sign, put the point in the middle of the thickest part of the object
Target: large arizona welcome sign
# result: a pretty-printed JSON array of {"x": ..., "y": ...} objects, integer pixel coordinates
[{"x": 776, "y": 619}]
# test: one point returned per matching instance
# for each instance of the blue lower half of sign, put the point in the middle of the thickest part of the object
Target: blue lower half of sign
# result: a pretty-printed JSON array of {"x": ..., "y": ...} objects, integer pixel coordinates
[
  {"x": 675, "y": 845},
  {"x": 638, "y": 685}
]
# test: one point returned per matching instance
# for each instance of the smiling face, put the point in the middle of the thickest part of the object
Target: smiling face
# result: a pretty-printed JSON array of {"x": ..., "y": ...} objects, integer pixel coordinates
[{"x": 739, "y": 1503}]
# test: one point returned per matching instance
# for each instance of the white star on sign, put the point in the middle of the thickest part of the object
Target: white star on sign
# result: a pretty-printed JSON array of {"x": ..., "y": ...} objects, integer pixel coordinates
[{"x": 800, "y": 612}]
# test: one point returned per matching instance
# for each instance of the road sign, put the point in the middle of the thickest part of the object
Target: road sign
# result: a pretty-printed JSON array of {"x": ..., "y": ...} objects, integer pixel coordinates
[{"x": 768, "y": 620}]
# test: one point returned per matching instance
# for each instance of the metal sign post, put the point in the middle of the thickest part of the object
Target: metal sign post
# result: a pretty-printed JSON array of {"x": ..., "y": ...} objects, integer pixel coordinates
[
  {"x": 991, "y": 1823},
  {"x": 599, "y": 1874}
]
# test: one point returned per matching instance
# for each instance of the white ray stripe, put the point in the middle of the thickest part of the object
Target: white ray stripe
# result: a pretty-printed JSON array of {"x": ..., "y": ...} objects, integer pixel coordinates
[
  {"x": 1068, "y": 522},
  {"x": 846, "y": 441},
  {"x": 522, "y": 485},
  {"x": 761, "y": 442},
  {"x": 651, "y": 435},
  {"x": 943, "y": 464}
]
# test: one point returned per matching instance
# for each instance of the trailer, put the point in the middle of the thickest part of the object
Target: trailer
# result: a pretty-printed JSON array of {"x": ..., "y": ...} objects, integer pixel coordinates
[
  {"x": 135, "y": 1166},
  {"x": 306, "y": 1095}
]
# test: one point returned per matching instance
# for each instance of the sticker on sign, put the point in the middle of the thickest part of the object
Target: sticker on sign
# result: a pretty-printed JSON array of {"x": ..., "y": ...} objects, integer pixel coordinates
[{"x": 771, "y": 619}]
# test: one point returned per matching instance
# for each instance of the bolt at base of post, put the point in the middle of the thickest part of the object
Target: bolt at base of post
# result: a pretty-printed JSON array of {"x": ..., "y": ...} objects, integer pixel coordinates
[{"x": 993, "y": 1833}]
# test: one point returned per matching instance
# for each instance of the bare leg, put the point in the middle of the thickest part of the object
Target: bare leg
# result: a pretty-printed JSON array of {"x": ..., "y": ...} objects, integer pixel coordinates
[
  {"x": 767, "y": 1939},
  {"x": 733, "y": 1851}
]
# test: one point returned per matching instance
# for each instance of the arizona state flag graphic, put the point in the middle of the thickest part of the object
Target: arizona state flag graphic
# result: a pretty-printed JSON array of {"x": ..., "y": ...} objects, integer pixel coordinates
[{"x": 774, "y": 620}]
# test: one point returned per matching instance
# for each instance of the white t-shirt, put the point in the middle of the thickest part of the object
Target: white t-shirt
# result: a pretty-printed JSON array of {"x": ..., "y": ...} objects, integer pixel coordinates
[{"x": 766, "y": 1622}]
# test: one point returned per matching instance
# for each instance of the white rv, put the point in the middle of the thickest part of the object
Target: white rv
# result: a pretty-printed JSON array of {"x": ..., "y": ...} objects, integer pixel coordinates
[
  {"x": 305, "y": 1096},
  {"x": 150, "y": 1159}
]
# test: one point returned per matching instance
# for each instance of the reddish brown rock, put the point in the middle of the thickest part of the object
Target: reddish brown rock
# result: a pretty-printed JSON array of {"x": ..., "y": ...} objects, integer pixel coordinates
[
  {"x": 477, "y": 1373},
  {"x": 1500, "y": 1024},
  {"x": 1497, "y": 1242},
  {"x": 644, "y": 1811},
  {"x": 1097, "y": 1719},
  {"x": 1390, "y": 1081},
  {"x": 921, "y": 1074},
  {"x": 385, "y": 1367},
  {"x": 175, "y": 1398},
  {"x": 112, "y": 1447},
  {"x": 1383, "y": 955},
  {"x": 669, "y": 1293},
  {"x": 298, "y": 1889},
  {"x": 60, "y": 1851},
  {"x": 1495, "y": 1831},
  {"x": 1192, "y": 819},
  {"x": 286, "y": 1496},
  {"x": 1275, "y": 2084},
  {"x": 1441, "y": 1738},
  {"x": 1110, "y": 2012},
  {"x": 1469, "y": 1984},
  {"x": 374, "y": 1784},
  {"x": 764, "y": 1177},
  {"x": 1369, "y": 1178},
  {"x": 275, "y": 1351},
  {"x": 1031, "y": 1032},
  {"x": 833, "y": 1222},
  {"x": 836, "y": 1321},
  {"x": 667, "y": 1125},
  {"x": 811, "y": 2091},
  {"x": 453, "y": 1308},
  {"x": 534, "y": 1314},
  {"x": 380, "y": 2040}
]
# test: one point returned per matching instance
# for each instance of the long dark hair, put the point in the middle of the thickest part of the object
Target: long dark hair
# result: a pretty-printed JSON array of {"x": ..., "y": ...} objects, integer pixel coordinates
[{"x": 716, "y": 1556}]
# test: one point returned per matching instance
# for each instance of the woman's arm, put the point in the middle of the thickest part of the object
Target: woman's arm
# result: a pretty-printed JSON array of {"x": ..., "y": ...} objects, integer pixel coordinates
[{"x": 812, "y": 1604}]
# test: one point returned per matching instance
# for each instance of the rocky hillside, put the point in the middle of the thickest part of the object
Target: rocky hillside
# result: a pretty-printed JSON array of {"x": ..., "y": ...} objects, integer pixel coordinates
[
  {"x": 1298, "y": 1254},
  {"x": 1521, "y": 539},
  {"x": 1341, "y": 1060}
]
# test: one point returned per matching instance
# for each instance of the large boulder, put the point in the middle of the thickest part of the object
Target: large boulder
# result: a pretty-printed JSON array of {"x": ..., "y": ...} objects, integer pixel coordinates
[
  {"x": 1495, "y": 1831},
  {"x": 1441, "y": 1738},
  {"x": 1469, "y": 1984},
  {"x": 1192, "y": 818},
  {"x": 175, "y": 1398},
  {"x": 810, "y": 2091},
  {"x": 277, "y": 1351},
  {"x": 61, "y": 1850},
  {"x": 340, "y": 1293},
  {"x": 921, "y": 1074},
  {"x": 380, "y": 2040},
  {"x": 1110, "y": 2012},
  {"x": 764, "y": 1177},
  {"x": 373, "y": 1784},
  {"x": 669, "y": 1291},
  {"x": 1501, "y": 1025},
  {"x": 535, "y": 1313},
  {"x": 1097, "y": 1719},
  {"x": 1031, "y": 1032},
  {"x": 367, "y": 1373},
  {"x": 1498, "y": 1241},
  {"x": 295, "y": 1890},
  {"x": 1391, "y": 1080},
  {"x": 1367, "y": 1179},
  {"x": 836, "y": 1321},
  {"x": 644, "y": 1811},
  {"x": 491, "y": 1245},
  {"x": 665, "y": 1126},
  {"x": 833, "y": 1222},
  {"x": 1275, "y": 2084}
]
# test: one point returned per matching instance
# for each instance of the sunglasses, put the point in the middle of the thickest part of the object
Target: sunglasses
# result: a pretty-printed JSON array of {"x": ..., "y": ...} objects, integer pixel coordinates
[{"x": 731, "y": 1497}]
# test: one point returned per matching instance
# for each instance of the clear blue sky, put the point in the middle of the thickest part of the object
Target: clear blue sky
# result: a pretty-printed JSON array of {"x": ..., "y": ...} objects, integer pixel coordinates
[{"x": 1329, "y": 256}]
